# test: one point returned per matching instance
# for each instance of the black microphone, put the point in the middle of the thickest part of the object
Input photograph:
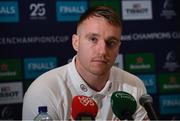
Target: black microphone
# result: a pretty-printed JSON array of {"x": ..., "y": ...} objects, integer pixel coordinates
[
  {"x": 123, "y": 105},
  {"x": 146, "y": 101}
]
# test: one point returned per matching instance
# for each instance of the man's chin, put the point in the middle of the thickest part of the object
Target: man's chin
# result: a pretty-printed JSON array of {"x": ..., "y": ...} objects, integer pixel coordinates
[{"x": 99, "y": 72}]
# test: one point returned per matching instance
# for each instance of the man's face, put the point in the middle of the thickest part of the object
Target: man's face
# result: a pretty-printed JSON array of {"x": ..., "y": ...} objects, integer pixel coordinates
[{"x": 97, "y": 44}]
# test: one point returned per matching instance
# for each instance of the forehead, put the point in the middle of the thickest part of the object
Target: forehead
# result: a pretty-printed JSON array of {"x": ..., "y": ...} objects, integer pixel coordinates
[{"x": 96, "y": 23}]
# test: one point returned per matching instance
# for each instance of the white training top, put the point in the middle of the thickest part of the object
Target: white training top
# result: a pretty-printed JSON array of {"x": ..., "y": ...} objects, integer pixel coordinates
[{"x": 56, "y": 88}]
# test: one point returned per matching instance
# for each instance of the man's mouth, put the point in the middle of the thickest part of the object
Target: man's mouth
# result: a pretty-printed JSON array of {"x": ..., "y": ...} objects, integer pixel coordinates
[{"x": 100, "y": 61}]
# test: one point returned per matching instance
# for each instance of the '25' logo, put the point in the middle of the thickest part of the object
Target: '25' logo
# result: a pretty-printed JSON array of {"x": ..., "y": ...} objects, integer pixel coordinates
[{"x": 37, "y": 9}]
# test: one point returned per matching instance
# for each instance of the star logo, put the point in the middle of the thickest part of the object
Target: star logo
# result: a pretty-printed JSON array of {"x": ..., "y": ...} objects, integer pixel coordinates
[
  {"x": 172, "y": 80},
  {"x": 139, "y": 60},
  {"x": 4, "y": 67}
]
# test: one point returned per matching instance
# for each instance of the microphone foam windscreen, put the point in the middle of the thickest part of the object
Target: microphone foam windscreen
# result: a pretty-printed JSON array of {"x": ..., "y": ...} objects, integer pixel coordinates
[
  {"x": 83, "y": 105},
  {"x": 122, "y": 103}
]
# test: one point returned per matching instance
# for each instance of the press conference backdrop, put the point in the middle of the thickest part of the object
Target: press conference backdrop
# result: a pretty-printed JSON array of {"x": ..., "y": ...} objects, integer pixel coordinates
[{"x": 35, "y": 36}]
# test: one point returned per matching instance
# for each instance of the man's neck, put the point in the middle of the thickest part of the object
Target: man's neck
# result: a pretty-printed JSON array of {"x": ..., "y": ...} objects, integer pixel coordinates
[{"x": 96, "y": 82}]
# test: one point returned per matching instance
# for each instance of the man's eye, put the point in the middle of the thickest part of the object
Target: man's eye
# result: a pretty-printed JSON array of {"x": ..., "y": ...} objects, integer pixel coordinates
[
  {"x": 93, "y": 39},
  {"x": 111, "y": 44}
]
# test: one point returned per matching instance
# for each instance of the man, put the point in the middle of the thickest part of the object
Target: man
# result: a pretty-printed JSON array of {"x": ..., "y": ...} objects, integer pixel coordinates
[{"x": 90, "y": 73}]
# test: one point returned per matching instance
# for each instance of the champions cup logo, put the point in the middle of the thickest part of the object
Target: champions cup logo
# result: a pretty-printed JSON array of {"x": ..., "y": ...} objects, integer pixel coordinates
[
  {"x": 171, "y": 61},
  {"x": 85, "y": 101}
]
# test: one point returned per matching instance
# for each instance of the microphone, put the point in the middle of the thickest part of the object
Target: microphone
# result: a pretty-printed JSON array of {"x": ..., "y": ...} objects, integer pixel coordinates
[
  {"x": 123, "y": 105},
  {"x": 146, "y": 101},
  {"x": 83, "y": 108}
]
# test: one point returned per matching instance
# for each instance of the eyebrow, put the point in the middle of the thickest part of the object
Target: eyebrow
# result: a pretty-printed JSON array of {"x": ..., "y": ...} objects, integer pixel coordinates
[
  {"x": 92, "y": 34},
  {"x": 97, "y": 35},
  {"x": 113, "y": 38}
]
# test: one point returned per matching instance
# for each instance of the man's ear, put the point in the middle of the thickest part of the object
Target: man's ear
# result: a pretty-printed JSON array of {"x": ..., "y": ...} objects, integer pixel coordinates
[{"x": 75, "y": 42}]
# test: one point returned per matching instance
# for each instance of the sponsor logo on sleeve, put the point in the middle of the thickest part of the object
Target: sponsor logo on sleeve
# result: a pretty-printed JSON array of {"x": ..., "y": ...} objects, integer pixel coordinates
[
  {"x": 11, "y": 93},
  {"x": 9, "y": 11},
  {"x": 36, "y": 66},
  {"x": 136, "y": 9},
  {"x": 170, "y": 104},
  {"x": 70, "y": 10}
]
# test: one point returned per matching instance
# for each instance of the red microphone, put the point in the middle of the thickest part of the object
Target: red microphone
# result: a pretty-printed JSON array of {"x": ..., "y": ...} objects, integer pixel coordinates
[{"x": 83, "y": 108}]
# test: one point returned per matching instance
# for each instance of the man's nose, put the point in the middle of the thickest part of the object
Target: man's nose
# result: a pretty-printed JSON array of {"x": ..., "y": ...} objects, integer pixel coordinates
[{"x": 102, "y": 49}]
